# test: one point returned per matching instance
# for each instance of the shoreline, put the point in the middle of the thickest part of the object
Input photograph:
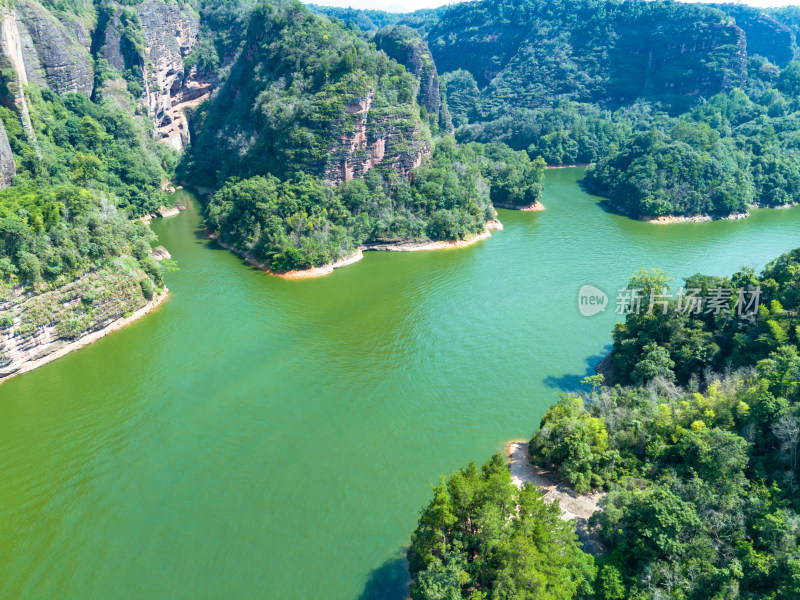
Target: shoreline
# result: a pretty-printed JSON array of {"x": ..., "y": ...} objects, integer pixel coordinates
[
  {"x": 88, "y": 338},
  {"x": 162, "y": 212},
  {"x": 581, "y": 165},
  {"x": 670, "y": 219},
  {"x": 321, "y": 271},
  {"x": 536, "y": 206},
  {"x": 609, "y": 206},
  {"x": 327, "y": 269},
  {"x": 574, "y": 506}
]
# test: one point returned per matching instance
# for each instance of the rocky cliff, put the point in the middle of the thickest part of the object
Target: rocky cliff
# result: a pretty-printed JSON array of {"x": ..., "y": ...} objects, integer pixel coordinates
[
  {"x": 766, "y": 36},
  {"x": 168, "y": 33},
  {"x": 370, "y": 143},
  {"x": 14, "y": 72},
  {"x": 55, "y": 53},
  {"x": 701, "y": 60},
  {"x": 307, "y": 95},
  {"x": 8, "y": 167},
  {"x": 530, "y": 53}
]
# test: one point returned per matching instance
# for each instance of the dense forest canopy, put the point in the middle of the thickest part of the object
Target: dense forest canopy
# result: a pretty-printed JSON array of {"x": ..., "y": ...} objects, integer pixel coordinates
[
  {"x": 299, "y": 85},
  {"x": 83, "y": 171},
  {"x": 680, "y": 109},
  {"x": 303, "y": 223},
  {"x": 318, "y": 134}
]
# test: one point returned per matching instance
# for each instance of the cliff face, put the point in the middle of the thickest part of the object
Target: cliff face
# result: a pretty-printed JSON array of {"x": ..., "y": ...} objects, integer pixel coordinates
[
  {"x": 169, "y": 31},
  {"x": 55, "y": 54},
  {"x": 530, "y": 53},
  {"x": 703, "y": 60},
  {"x": 8, "y": 167},
  {"x": 12, "y": 61},
  {"x": 365, "y": 146},
  {"x": 306, "y": 95},
  {"x": 766, "y": 36},
  {"x": 170, "y": 34}
]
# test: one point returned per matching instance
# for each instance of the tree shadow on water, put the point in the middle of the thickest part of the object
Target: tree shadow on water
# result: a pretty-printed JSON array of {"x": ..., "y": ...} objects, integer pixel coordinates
[
  {"x": 571, "y": 382},
  {"x": 389, "y": 581}
]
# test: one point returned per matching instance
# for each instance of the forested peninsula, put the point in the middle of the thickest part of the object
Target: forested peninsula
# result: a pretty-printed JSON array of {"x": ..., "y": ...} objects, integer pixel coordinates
[{"x": 696, "y": 447}]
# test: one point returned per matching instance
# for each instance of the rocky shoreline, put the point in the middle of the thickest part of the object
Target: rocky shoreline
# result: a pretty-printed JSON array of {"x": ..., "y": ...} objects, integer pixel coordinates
[
  {"x": 62, "y": 348},
  {"x": 327, "y": 269},
  {"x": 536, "y": 206},
  {"x": 163, "y": 212},
  {"x": 668, "y": 219}
]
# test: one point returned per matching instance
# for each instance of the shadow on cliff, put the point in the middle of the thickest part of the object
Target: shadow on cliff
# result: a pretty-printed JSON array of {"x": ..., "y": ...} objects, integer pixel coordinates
[
  {"x": 571, "y": 382},
  {"x": 389, "y": 581}
]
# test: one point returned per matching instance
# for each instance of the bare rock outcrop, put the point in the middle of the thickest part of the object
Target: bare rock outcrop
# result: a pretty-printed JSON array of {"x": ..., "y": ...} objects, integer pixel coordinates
[
  {"x": 371, "y": 143},
  {"x": 407, "y": 47},
  {"x": 8, "y": 167},
  {"x": 53, "y": 55},
  {"x": 169, "y": 31},
  {"x": 37, "y": 326}
]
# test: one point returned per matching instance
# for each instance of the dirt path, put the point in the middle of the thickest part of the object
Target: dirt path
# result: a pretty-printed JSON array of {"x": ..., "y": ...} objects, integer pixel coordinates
[{"x": 573, "y": 505}]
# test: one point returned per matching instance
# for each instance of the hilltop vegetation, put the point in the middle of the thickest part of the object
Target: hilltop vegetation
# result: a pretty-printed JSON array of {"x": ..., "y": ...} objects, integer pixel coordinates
[
  {"x": 482, "y": 537},
  {"x": 300, "y": 86},
  {"x": 702, "y": 478},
  {"x": 738, "y": 150}
]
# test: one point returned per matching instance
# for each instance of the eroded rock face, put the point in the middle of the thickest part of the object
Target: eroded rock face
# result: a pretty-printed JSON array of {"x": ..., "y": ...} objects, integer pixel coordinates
[
  {"x": 36, "y": 325},
  {"x": 370, "y": 143},
  {"x": 766, "y": 36},
  {"x": 52, "y": 54},
  {"x": 690, "y": 54},
  {"x": 647, "y": 50},
  {"x": 8, "y": 167},
  {"x": 12, "y": 58},
  {"x": 170, "y": 31}
]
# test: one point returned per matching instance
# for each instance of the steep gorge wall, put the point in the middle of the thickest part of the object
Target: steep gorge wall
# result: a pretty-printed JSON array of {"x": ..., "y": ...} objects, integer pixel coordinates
[
  {"x": 11, "y": 60},
  {"x": 766, "y": 36},
  {"x": 55, "y": 53},
  {"x": 170, "y": 34},
  {"x": 407, "y": 47},
  {"x": 528, "y": 54},
  {"x": 703, "y": 60},
  {"x": 169, "y": 31}
]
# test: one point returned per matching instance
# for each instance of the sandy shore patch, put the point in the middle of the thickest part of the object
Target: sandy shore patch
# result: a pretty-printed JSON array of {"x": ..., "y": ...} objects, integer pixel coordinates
[
  {"x": 667, "y": 219},
  {"x": 535, "y": 207},
  {"x": 573, "y": 505}
]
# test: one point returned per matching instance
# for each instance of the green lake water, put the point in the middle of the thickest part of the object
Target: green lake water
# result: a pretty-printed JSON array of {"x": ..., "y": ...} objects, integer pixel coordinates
[{"x": 262, "y": 438}]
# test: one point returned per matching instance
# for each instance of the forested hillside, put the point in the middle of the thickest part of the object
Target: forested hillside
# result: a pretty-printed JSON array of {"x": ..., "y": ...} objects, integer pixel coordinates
[
  {"x": 306, "y": 95},
  {"x": 697, "y": 451}
]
